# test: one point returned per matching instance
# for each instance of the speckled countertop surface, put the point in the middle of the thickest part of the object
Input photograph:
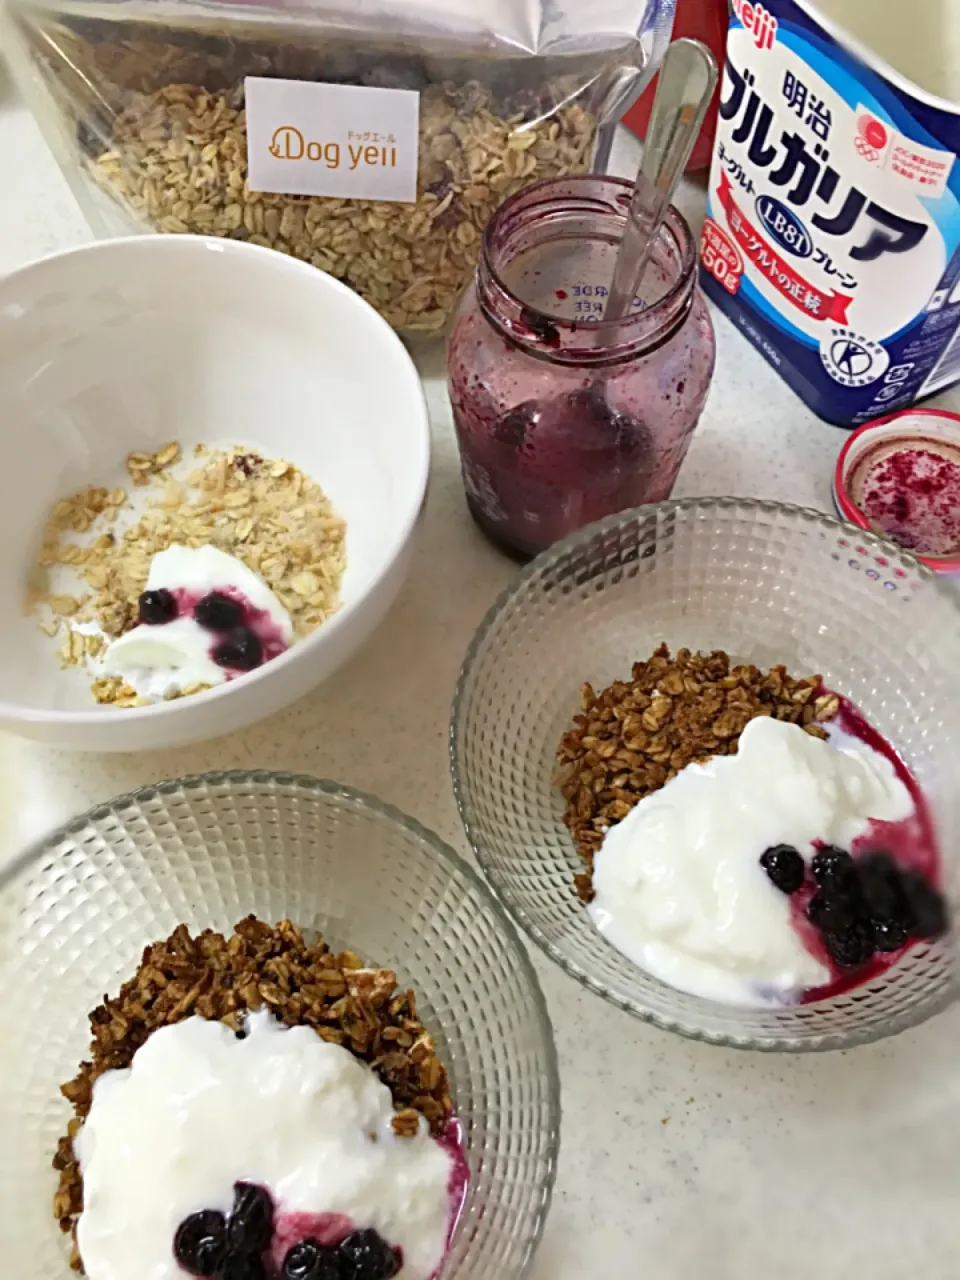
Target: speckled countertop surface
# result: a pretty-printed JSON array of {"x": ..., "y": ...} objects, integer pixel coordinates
[{"x": 678, "y": 1161}]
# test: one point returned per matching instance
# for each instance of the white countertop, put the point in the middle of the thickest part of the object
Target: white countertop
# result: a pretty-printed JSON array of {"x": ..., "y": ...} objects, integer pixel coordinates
[{"x": 678, "y": 1161}]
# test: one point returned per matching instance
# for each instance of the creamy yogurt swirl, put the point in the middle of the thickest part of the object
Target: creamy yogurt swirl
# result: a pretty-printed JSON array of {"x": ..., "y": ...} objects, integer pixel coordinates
[
  {"x": 199, "y": 1110},
  {"x": 678, "y": 885}
]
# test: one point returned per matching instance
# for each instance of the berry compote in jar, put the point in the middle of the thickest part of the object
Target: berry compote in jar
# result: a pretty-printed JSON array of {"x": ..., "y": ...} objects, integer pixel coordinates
[{"x": 563, "y": 417}]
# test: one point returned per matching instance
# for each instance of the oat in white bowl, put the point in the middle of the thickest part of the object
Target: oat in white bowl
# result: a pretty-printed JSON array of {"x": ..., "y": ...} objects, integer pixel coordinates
[
  {"x": 115, "y": 350},
  {"x": 233, "y": 558}
]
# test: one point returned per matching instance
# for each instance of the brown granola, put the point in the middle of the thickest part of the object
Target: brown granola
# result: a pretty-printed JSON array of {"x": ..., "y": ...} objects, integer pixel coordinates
[
  {"x": 635, "y": 735},
  {"x": 266, "y": 512},
  {"x": 301, "y": 983}
]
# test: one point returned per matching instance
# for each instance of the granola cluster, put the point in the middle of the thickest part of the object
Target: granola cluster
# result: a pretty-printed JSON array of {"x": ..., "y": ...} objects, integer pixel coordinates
[
  {"x": 260, "y": 966},
  {"x": 265, "y": 512},
  {"x": 165, "y": 136},
  {"x": 635, "y": 735}
]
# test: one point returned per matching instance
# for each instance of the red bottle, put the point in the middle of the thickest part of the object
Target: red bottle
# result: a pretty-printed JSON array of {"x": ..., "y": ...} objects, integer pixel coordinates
[{"x": 704, "y": 20}]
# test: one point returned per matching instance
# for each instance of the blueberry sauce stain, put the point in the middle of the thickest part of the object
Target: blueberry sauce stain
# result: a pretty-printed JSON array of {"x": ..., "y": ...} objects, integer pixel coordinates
[
  {"x": 242, "y": 636},
  {"x": 829, "y": 915}
]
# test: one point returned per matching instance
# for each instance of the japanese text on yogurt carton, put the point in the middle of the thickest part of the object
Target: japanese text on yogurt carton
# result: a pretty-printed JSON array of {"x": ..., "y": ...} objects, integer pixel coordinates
[{"x": 834, "y": 221}]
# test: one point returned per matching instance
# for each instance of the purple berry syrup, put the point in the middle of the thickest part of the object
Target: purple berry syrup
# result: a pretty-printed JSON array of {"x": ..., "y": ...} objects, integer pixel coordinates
[
  {"x": 912, "y": 843},
  {"x": 452, "y": 1141},
  {"x": 331, "y": 1228},
  {"x": 553, "y": 465}
]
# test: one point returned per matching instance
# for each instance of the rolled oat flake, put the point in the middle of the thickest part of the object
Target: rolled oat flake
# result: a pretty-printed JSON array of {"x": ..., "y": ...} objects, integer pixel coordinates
[{"x": 372, "y": 140}]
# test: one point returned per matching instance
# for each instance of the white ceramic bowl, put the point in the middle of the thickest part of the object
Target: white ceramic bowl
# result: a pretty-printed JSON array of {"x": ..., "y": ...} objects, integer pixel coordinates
[{"x": 126, "y": 344}]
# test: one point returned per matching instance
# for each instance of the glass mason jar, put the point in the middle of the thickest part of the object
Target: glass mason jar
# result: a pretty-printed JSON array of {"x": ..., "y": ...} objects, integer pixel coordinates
[{"x": 563, "y": 417}]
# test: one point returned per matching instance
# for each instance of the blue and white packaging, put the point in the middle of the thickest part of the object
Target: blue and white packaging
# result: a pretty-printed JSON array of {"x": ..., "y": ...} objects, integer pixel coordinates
[{"x": 832, "y": 236}]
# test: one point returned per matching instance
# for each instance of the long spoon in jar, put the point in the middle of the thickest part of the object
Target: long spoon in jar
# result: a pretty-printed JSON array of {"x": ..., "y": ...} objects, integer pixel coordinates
[{"x": 688, "y": 76}]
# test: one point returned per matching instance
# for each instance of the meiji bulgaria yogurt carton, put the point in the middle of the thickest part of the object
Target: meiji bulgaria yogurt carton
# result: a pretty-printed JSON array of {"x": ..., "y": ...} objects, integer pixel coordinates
[{"x": 833, "y": 230}]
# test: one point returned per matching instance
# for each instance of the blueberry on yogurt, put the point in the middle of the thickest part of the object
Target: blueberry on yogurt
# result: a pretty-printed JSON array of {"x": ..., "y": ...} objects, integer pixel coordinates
[
  {"x": 784, "y": 866},
  {"x": 240, "y": 648},
  {"x": 310, "y": 1260},
  {"x": 241, "y": 1266},
  {"x": 201, "y": 1242},
  {"x": 157, "y": 607},
  {"x": 219, "y": 612},
  {"x": 851, "y": 946},
  {"x": 928, "y": 909},
  {"x": 833, "y": 869},
  {"x": 250, "y": 1229},
  {"x": 365, "y": 1255},
  {"x": 882, "y": 887}
]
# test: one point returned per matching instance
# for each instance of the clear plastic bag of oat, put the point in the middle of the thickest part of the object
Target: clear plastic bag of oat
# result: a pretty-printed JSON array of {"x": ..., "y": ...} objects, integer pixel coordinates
[{"x": 372, "y": 138}]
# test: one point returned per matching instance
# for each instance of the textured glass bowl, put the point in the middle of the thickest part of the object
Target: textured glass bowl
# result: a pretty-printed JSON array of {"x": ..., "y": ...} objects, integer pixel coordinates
[
  {"x": 77, "y": 910},
  {"x": 769, "y": 584}
]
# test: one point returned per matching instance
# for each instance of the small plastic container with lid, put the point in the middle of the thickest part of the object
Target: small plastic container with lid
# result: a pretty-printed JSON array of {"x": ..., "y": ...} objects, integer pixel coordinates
[
  {"x": 563, "y": 417},
  {"x": 900, "y": 476}
]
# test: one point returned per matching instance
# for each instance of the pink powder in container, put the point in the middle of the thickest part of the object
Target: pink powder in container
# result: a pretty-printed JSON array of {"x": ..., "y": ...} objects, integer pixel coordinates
[{"x": 900, "y": 477}]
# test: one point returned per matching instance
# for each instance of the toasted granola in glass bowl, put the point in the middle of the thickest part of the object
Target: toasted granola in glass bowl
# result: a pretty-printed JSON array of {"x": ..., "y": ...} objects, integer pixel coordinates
[
  {"x": 745, "y": 583},
  {"x": 257, "y": 977},
  {"x": 201, "y": 853}
]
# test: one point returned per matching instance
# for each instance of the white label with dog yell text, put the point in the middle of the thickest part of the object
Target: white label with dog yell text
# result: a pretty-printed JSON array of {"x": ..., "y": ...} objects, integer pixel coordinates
[{"x": 348, "y": 141}]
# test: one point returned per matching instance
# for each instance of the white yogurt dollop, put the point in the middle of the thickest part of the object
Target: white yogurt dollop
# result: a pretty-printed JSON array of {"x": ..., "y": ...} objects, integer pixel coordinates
[
  {"x": 159, "y": 660},
  {"x": 678, "y": 883},
  {"x": 199, "y": 1110}
]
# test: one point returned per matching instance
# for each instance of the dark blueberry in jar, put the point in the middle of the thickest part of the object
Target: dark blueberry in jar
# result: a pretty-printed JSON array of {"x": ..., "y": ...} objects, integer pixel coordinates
[
  {"x": 540, "y": 326},
  {"x": 597, "y": 420},
  {"x": 157, "y": 607},
  {"x": 833, "y": 867},
  {"x": 928, "y": 910},
  {"x": 365, "y": 1255},
  {"x": 241, "y": 1266},
  {"x": 218, "y": 612},
  {"x": 201, "y": 1242},
  {"x": 851, "y": 946},
  {"x": 512, "y": 428},
  {"x": 310, "y": 1260},
  {"x": 590, "y": 409},
  {"x": 251, "y": 1223},
  {"x": 240, "y": 648},
  {"x": 785, "y": 867}
]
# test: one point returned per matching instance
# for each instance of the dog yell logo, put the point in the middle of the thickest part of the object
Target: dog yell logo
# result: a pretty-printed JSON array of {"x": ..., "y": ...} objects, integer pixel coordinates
[
  {"x": 337, "y": 141},
  {"x": 288, "y": 143}
]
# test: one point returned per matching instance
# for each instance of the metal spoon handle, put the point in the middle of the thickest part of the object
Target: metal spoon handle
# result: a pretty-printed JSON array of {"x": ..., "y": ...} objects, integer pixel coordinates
[{"x": 687, "y": 79}]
